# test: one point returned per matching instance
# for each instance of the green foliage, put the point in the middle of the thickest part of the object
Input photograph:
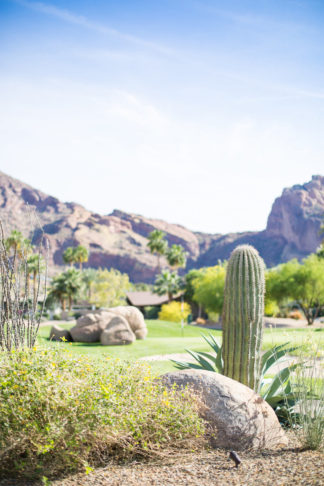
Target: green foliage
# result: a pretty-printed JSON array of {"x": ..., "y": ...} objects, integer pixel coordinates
[
  {"x": 89, "y": 277},
  {"x": 243, "y": 313},
  {"x": 60, "y": 414},
  {"x": 277, "y": 391},
  {"x": 307, "y": 418},
  {"x": 208, "y": 285},
  {"x": 66, "y": 286},
  {"x": 78, "y": 254},
  {"x": 81, "y": 255},
  {"x": 151, "y": 312},
  {"x": 271, "y": 308},
  {"x": 109, "y": 288},
  {"x": 320, "y": 251},
  {"x": 189, "y": 279},
  {"x": 301, "y": 282},
  {"x": 175, "y": 312},
  {"x": 167, "y": 283},
  {"x": 206, "y": 361},
  {"x": 68, "y": 255},
  {"x": 35, "y": 265},
  {"x": 19, "y": 245},
  {"x": 157, "y": 245},
  {"x": 176, "y": 256}
]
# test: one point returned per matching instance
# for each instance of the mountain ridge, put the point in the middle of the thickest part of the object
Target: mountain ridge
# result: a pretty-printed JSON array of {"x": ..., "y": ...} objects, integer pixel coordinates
[{"x": 119, "y": 239}]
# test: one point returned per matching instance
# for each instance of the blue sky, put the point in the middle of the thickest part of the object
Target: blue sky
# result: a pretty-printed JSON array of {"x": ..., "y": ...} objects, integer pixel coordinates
[{"x": 198, "y": 112}]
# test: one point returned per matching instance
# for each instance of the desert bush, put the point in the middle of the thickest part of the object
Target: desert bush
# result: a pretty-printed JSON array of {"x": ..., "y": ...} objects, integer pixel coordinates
[
  {"x": 175, "y": 312},
  {"x": 271, "y": 309},
  {"x": 61, "y": 414},
  {"x": 295, "y": 314},
  {"x": 307, "y": 382},
  {"x": 21, "y": 307}
]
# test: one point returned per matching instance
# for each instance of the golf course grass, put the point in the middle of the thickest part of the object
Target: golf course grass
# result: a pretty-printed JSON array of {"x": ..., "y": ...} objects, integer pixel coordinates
[{"x": 167, "y": 338}]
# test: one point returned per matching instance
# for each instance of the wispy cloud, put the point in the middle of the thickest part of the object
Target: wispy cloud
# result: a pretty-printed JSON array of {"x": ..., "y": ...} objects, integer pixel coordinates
[
  {"x": 253, "y": 19},
  {"x": 73, "y": 18}
]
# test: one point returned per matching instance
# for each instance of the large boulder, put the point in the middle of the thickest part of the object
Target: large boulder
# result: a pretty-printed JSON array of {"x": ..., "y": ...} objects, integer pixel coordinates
[
  {"x": 58, "y": 334},
  {"x": 237, "y": 417},
  {"x": 118, "y": 332},
  {"x": 89, "y": 327},
  {"x": 134, "y": 318}
]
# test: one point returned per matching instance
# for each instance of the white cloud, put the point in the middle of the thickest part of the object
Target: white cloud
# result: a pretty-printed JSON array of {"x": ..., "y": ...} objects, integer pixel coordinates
[
  {"x": 73, "y": 18},
  {"x": 107, "y": 148}
]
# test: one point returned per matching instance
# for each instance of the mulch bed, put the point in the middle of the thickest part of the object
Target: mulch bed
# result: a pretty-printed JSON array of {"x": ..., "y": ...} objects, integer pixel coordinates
[{"x": 284, "y": 467}]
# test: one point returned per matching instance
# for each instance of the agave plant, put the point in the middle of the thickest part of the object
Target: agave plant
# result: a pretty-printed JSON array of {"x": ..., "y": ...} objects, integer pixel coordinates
[{"x": 276, "y": 391}]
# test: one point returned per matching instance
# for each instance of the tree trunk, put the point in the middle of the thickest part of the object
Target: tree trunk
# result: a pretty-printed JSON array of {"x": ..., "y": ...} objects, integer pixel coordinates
[
  {"x": 70, "y": 303},
  {"x": 35, "y": 288},
  {"x": 159, "y": 263},
  {"x": 308, "y": 314},
  {"x": 63, "y": 304},
  {"x": 170, "y": 296}
]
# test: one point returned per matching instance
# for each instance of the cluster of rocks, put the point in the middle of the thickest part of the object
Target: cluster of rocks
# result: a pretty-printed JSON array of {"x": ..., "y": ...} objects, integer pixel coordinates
[{"x": 114, "y": 326}]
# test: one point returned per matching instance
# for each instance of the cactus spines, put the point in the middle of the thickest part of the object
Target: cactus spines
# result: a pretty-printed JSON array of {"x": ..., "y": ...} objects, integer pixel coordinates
[{"x": 243, "y": 316}]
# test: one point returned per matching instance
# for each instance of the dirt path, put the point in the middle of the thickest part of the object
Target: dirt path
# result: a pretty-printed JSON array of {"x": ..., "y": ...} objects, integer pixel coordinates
[{"x": 285, "y": 467}]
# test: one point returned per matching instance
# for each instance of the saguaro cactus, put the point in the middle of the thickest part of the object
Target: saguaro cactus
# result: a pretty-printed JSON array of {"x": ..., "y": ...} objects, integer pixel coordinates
[{"x": 243, "y": 316}]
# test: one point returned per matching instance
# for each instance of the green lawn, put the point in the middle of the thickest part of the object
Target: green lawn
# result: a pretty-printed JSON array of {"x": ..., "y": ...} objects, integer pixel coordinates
[{"x": 165, "y": 338}]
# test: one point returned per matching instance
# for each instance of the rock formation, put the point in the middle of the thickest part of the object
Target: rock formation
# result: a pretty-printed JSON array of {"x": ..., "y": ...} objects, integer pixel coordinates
[
  {"x": 119, "y": 240},
  {"x": 238, "y": 418},
  {"x": 115, "y": 326},
  {"x": 117, "y": 332}
]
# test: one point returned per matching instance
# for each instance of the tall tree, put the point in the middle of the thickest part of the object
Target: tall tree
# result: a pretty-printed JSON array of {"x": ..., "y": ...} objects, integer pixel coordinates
[
  {"x": 81, "y": 255},
  {"x": 176, "y": 256},
  {"x": 109, "y": 289},
  {"x": 299, "y": 282},
  {"x": 208, "y": 287},
  {"x": 19, "y": 245},
  {"x": 320, "y": 251},
  {"x": 35, "y": 266},
  {"x": 158, "y": 245},
  {"x": 167, "y": 283},
  {"x": 66, "y": 287},
  {"x": 89, "y": 277},
  {"x": 69, "y": 256}
]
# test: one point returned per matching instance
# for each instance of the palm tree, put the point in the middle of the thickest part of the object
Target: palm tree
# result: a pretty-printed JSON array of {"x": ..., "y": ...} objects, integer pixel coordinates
[
  {"x": 157, "y": 245},
  {"x": 20, "y": 245},
  {"x": 66, "y": 286},
  {"x": 81, "y": 255},
  {"x": 89, "y": 277},
  {"x": 167, "y": 283},
  {"x": 69, "y": 255},
  {"x": 176, "y": 256},
  {"x": 35, "y": 265}
]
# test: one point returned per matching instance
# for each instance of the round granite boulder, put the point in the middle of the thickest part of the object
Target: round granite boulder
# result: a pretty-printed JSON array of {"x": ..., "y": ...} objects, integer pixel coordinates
[
  {"x": 89, "y": 327},
  {"x": 237, "y": 417},
  {"x": 58, "y": 334},
  {"x": 134, "y": 318},
  {"x": 117, "y": 333}
]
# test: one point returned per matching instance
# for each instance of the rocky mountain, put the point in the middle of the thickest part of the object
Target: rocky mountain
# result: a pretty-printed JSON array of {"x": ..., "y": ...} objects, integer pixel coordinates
[{"x": 119, "y": 239}]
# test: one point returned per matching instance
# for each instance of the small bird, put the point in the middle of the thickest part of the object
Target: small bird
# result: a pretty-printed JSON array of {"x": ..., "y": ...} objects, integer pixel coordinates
[{"x": 233, "y": 455}]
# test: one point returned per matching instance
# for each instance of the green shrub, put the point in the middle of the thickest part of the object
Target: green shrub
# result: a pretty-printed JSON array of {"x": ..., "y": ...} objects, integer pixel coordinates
[
  {"x": 175, "y": 312},
  {"x": 151, "y": 312},
  {"x": 61, "y": 414}
]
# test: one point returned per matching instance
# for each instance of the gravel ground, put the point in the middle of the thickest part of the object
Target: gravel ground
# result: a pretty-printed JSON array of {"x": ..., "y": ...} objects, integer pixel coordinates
[{"x": 286, "y": 467}]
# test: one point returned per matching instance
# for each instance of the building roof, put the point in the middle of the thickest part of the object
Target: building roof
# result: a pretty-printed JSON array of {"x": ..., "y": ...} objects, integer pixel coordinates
[{"x": 146, "y": 298}]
